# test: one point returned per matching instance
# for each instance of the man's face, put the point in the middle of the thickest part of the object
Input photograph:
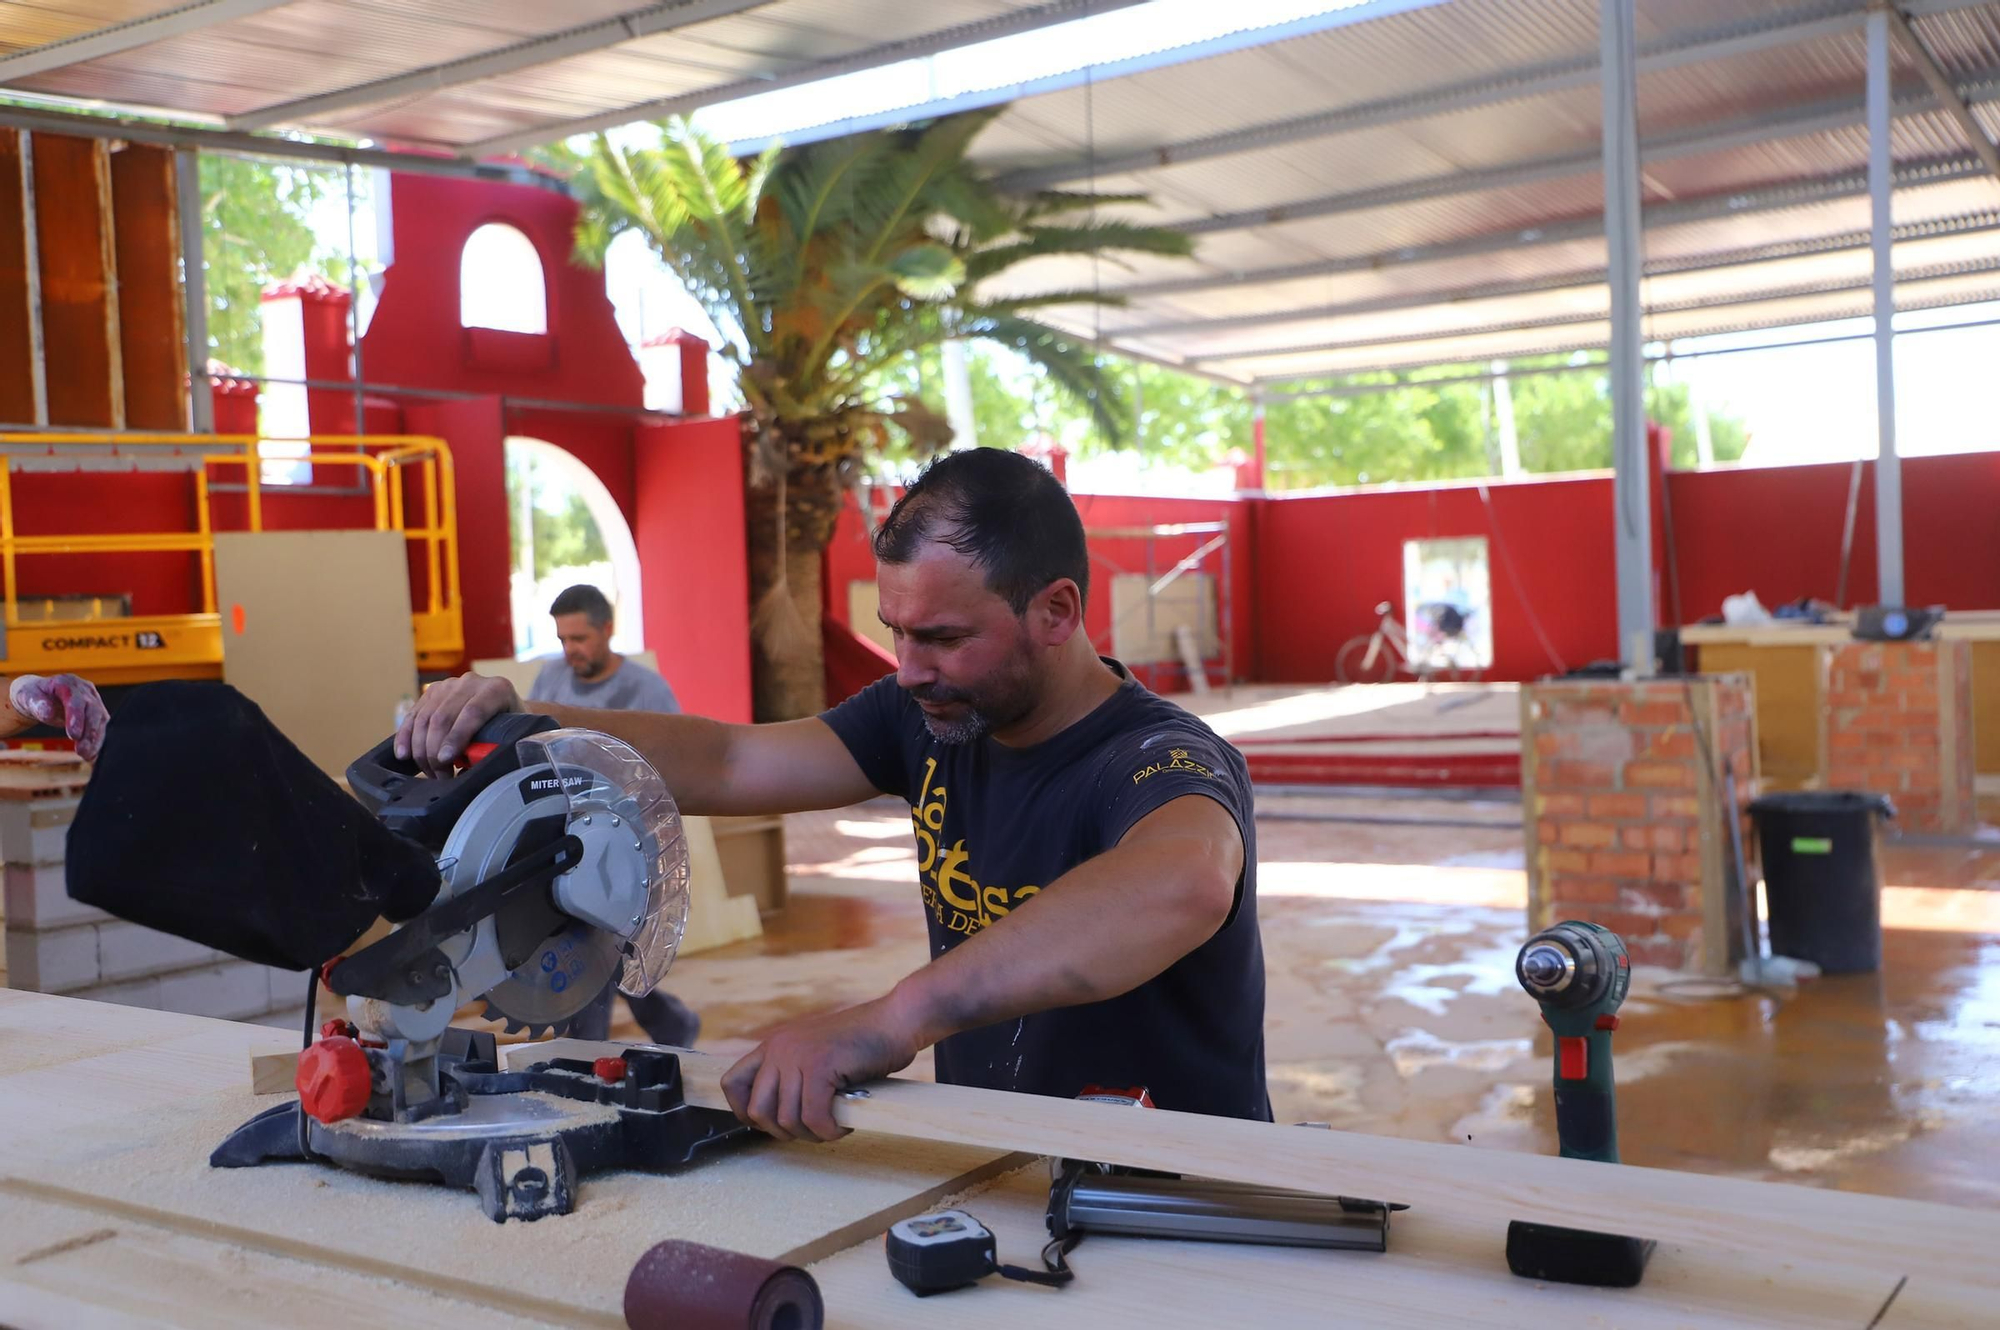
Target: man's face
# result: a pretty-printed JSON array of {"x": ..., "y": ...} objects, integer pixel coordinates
[
  {"x": 586, "y": 646},
  {"x": 961, "y": 651}
]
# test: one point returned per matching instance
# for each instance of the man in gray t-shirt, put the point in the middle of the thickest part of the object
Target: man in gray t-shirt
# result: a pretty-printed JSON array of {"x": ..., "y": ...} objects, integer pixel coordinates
[{"x": 591, "y": 674}]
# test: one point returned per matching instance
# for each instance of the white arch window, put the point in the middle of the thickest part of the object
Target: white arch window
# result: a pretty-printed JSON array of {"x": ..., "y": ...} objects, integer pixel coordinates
[{"x": 500, "y": 282}]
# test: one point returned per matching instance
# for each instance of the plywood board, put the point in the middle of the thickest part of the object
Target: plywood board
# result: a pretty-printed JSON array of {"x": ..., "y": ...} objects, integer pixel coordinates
[
  {"x": 116, "y": 1110},
  {"x": 1435, "y": 1273},
  {"x": 1143, "y": 636},
  {"x": 17, "y": 332},
  {"x": 147, "y": 238},
  {"x": 79, "y": 281},
  {"x": 1789, "y": 722},
  {"x": 316, "y": 631},
  {"x": 715, "y": 918},
  {"x": 1486, "y": 1187}
]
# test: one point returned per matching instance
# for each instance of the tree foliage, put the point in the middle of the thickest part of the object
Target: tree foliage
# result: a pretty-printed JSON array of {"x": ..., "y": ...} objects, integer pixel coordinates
[
  {"x": 566, "y": 535},
  {"x": 256, "y": 232}
]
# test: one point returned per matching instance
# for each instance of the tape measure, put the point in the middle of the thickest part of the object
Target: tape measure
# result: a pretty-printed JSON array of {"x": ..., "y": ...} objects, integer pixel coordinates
[{"x": 948, "y": 1250}]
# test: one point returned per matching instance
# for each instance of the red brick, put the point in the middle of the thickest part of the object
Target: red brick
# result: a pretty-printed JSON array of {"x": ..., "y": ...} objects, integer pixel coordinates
[
  {"x": 1654, "y": 713},
  {"x": 1924, "y": 780},
  {"x": 1847, "y": 697},
  {"x": 1671, "y": 743},
  {"x": 1561, "y": 805},
  {"x": 1592, "y": 835},
  {"x": 1657, "y": 950},
  {"x": 1546, "y": 832},
  {"x": 1655, "y": 838},
  {"x": 1911, "y": 759},
  {"x": 1847, "y": 739},
  {"x": 1555, "y": 743},
  {"x": 1565, "y": 861},
  {"x": 1583, "y": 890},
  {"x": 1620, "y": 863},
  {"x": 1627, "y": 924},
  {"x": 1584, "y": 710},
  {"x": 1677, "y": 868},
  {"x": 1577, "y": 775},
  {"x": 1659, "y": 775},
  {"x": 1617, "y": 805},
  {"x": 1681, "y": 925},
  {"x": 1684, "y": 806},
  {"x": 1653, "y": 897}
]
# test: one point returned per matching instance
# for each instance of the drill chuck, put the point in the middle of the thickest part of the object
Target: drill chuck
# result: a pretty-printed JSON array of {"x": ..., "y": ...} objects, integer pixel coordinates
[
  {"x": 1546, "y": 968},
  {"x": 1573, "y": 965}
]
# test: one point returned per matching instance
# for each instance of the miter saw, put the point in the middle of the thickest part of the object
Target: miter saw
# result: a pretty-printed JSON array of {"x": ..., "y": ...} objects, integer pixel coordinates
[{"x": 563, "y": 868}]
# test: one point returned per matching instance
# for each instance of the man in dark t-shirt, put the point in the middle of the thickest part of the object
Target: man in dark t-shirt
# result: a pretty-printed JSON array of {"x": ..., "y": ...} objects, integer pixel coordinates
[{"x": 1086, "y": 850}]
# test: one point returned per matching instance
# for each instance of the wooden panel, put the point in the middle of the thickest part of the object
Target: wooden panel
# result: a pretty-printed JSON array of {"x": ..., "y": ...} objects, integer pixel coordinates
[
  {"x": 79, "y": 281},
  {"x": 715, "y": 918},
  {"x": 1788, "y": 706},
  {"x": 1784, "y": 1224},
  {"x": 316, "y": 631},
  {"x": 147, "y": 234},
  {"x": 17, "y": 339},
  {"x": 1986, "y": 706},
  {"x": 114, "y": 1110}
]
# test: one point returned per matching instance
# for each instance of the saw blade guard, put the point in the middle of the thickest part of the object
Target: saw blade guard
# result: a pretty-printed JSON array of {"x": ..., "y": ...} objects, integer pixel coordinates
[{"x": 621, "y": 783}]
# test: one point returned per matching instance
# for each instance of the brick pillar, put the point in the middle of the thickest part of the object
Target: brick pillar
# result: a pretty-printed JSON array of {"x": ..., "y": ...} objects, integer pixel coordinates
[
  {"x": 1898, "y": 721},
  {"x": 1623, "y": 800}
]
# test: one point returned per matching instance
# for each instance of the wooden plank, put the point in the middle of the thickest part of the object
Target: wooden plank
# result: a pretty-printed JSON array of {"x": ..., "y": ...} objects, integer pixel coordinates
[
  {"x": 273, "y": 1073},
  {"x": 1435, "y": 1273},
  {"x": 317, "y": 633},
  {"x": 1986, "y": 707},
  {"x": 715, "y": 918},
  {"x": 79, "y": 275},
  {"x": 116, "y": 1110},
  {"x": 1787, "y": 690},
  {"x": 147, "y": 238},
  {"x": 1773, "y": 1220},
  {"x": 17, "y": 333}
]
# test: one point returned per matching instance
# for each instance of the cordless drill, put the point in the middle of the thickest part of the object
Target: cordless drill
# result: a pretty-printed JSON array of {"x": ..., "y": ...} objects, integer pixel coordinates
[{"x": 1579, "y": 973}]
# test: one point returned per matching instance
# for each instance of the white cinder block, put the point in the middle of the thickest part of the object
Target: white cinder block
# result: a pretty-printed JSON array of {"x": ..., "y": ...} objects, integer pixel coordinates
[
  {"x": 128, "y": 951},
  {"x": 55, "y": 961},
  {"x": 34, "y": 832},
  {"x": 134, "y": 993},
  {"x": 37, "y": 898},
  {"x": 229, "y": 991}
]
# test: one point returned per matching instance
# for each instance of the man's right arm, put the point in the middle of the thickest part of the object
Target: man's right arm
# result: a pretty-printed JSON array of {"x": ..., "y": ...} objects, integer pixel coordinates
[{"x": 711, "y": 768}]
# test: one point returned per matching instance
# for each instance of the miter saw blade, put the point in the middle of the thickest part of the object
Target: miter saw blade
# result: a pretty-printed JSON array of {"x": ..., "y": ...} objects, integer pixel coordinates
[{"x": 565, "y": 974}]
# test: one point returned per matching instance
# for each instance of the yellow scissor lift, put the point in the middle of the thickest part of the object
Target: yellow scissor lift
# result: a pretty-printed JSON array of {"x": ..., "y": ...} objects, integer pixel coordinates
[{"x": 116, "y": 649}]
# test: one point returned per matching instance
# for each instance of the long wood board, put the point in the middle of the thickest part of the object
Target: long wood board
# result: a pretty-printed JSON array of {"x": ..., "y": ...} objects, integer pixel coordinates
[
  {"x": 1780, "y": 1223},
  {"x": 115, "y": 1110}
]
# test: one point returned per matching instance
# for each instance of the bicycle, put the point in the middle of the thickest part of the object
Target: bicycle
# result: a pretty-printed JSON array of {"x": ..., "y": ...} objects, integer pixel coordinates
[{"x": 1377, "y": 657}]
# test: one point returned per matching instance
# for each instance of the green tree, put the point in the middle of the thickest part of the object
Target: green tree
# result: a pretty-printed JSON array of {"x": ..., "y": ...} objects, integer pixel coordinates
[
  {"x": 255, "y": 232},
  {"x": 822, "y": 266},
  {"x": 566, "y": 535}
]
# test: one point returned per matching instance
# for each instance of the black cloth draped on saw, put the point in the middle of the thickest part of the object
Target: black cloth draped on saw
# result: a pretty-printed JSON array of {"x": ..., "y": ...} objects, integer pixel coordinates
[{"x": 204, "y": 821}]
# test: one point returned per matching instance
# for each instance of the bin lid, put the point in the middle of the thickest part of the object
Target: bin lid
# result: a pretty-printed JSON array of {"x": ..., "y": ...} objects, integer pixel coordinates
[{"x": 1824, "y": 802}]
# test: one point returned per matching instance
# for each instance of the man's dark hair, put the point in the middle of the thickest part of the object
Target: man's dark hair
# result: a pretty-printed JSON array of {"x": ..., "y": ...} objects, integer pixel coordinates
[
  {"x": 1005, "y": 512},
  {"x": 583, "y": 598}
]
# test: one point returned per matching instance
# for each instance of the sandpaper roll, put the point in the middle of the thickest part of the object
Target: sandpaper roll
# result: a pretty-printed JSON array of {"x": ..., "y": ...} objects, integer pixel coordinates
[{"x": 686, "y": 1286}]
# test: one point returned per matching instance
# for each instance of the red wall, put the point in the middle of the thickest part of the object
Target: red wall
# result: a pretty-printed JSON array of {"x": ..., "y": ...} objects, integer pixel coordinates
[{"x": 696, "y": 586}]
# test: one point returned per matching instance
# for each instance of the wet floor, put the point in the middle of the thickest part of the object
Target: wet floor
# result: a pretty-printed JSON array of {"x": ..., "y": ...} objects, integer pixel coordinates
[{"x": 1392, "y": 1007}]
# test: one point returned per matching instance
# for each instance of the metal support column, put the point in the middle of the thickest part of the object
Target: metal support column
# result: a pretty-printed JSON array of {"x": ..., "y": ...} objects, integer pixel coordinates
[
  {"x": 1632, "y": 515},
  {"x": 194, "y": 290},
  {"x": 1888, "y": 466}
]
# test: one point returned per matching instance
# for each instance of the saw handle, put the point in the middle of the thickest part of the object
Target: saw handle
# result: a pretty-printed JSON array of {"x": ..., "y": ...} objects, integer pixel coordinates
[{"x": 424, "y": 808}]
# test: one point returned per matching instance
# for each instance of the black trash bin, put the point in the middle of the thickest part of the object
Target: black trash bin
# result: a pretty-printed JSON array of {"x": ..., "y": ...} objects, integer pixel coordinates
[{"x": 1823, "y": 876}]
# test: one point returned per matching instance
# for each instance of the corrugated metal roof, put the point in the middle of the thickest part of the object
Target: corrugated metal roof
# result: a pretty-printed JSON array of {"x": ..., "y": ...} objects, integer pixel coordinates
[{"x": 1397, "y": 180}]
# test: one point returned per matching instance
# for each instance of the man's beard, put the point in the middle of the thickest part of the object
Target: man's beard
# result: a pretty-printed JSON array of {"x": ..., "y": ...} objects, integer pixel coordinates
[{"x": 995, "y": 705}]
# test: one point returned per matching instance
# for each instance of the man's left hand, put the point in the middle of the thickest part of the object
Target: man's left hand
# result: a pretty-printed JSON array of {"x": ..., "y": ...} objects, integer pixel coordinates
[
  {"x": 786, "y": 1085},
  {"x": 64, "y": 701}
]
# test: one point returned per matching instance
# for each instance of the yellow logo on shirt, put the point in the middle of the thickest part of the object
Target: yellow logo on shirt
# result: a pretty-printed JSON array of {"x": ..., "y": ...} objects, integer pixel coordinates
[
  {"x": 1177, "y": 760},
  {"x": 954, "y": 896}
]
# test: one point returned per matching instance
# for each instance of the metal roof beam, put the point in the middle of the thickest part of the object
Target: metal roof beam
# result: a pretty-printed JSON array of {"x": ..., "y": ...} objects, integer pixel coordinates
[
  {"x": 1736, "y": 203},
  {"x": 889, "y": 53},
  {"x": 1971, "y": 224},
  {"x": 176, "y": 22},
  {"x": 1916, "y": 273},
  {"x": 550, "y": 47},
  {"x": 1944, "y": 89},
  {"x": 1806, "y": 22}
]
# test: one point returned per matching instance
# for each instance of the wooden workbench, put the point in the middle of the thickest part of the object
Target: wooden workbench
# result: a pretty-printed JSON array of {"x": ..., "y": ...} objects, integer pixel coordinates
[{"x": 109, "y": 1216}]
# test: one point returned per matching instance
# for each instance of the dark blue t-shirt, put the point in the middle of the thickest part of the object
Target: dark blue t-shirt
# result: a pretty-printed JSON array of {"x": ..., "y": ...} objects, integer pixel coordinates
[{"x": 996, "y": 825}]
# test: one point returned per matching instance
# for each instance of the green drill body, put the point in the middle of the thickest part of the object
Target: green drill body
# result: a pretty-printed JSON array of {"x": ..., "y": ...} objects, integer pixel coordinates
[{"x": 1579, "y": 974}]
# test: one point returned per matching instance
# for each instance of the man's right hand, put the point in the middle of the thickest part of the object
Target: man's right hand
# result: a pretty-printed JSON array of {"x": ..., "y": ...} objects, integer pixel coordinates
[{"x": 446, "y": 717}]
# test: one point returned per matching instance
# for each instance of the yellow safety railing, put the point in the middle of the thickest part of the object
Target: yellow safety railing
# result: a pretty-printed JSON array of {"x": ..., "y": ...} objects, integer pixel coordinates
[{"x": 134, "y": 649}]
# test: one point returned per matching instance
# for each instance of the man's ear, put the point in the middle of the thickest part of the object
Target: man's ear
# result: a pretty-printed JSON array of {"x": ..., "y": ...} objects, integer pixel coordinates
[{"x": 1056, "y": 612}]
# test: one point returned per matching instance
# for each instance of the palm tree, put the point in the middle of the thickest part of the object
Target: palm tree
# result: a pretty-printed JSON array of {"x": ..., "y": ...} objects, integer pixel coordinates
[{"x": 822, "y": 265}]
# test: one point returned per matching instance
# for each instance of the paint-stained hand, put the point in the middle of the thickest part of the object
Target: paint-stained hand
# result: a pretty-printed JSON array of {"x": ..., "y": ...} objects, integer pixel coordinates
[
  {"x": 786, "y": 1085},
  {"x": 446, "y": 717},
  {"x": 66, "y": 702}
]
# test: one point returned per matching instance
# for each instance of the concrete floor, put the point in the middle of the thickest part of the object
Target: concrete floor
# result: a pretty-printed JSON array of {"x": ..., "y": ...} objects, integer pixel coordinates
[{"x": 1393, "y": 1010}]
